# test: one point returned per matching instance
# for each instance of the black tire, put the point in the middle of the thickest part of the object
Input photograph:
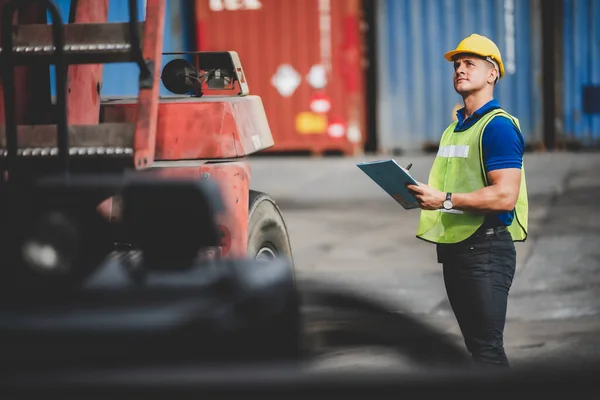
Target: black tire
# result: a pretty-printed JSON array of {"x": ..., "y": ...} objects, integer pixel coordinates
[{"x": 268, "y": 236}]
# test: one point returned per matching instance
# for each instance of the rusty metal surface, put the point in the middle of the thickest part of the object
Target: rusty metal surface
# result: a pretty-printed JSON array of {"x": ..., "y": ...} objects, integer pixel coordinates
[
  {"x": 147, "y": 108},
  {"x": 232, "y": 178},
  {"x": 202, "y": 128},
  {"x": 84, "y": 82},
  {"x": 301, "y": 34}
]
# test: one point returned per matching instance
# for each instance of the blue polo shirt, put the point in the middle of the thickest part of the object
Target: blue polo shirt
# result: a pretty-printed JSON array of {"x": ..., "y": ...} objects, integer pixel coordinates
[{"x": 502, "y": 147}]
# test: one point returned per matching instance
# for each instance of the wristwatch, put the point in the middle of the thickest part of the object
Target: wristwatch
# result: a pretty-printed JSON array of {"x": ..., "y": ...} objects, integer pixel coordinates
[{"x": 447, "y": 204}]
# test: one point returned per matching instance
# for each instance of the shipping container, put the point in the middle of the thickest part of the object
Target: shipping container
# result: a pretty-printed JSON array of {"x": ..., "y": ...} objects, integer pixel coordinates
[
  {"x": 303, "y": 58},
  {"x": 582, "y": 71},
  {"x": 416, "y": 100}
]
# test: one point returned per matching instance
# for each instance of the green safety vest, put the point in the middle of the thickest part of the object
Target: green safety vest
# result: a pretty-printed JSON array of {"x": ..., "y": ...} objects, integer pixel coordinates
[{"x": 458, "y": 168}]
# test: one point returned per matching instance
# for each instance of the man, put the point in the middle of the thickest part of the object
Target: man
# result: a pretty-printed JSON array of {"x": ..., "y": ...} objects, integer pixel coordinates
[{"x": 474, "y": 206}]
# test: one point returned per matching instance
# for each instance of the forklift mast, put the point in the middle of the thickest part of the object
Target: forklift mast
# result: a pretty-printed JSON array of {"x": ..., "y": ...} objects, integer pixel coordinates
[
  {"x": 79, "y": 131},
  {"x": 72, "y": 122}
]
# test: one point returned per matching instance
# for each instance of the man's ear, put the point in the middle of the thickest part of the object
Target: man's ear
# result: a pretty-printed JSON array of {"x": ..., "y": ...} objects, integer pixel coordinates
[{"x": 493, "y": 78}]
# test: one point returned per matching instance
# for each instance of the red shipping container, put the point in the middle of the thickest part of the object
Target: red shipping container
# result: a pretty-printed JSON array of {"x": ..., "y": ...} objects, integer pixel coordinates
[{"x": 304, "y": 58}]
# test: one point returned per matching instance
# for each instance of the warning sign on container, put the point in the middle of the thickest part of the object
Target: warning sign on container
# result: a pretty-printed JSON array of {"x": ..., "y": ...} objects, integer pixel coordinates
[
  {"x": 308, "y": 123},
  {"x": 317, "y": 77},
  {"x": 336, "y": 128},
  {"x": 286, "y": 80},
  {"x": 320, "y": 103}
]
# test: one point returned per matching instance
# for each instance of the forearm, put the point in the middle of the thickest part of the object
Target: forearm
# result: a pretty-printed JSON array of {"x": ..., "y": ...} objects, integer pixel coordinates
[{"x": 489, "y": 199}]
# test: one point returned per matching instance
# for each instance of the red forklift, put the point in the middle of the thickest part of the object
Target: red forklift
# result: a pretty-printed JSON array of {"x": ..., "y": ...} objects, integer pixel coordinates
[
  {"x": 162, "y": 183},
  {"x": 66, "y": 162}
]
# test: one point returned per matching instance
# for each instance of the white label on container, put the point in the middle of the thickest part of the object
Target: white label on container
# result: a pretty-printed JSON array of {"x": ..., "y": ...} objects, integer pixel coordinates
[
  {"x": 286, "y": 80},
  {"x": 336, "y": 130},
  {"x": 321, "y": 106},
  {"x": 317, "y": 77},
  {"x": 234, "y": 5}
]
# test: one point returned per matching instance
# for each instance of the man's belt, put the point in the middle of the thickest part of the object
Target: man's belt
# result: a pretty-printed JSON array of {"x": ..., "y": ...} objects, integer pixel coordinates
[{"x": 492, "y": 231}]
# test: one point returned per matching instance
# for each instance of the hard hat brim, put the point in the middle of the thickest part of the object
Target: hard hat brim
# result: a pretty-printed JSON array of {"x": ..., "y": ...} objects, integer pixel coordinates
[{"x": 450, "y": 55}]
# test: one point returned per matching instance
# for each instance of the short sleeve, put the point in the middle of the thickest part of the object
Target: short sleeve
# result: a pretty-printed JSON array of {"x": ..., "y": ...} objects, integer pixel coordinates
[{"x": 502, "y": 145}]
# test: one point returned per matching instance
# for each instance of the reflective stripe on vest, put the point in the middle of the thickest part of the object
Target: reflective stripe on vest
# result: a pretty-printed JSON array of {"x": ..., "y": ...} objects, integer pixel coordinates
[{"x": 458, "y": 168}]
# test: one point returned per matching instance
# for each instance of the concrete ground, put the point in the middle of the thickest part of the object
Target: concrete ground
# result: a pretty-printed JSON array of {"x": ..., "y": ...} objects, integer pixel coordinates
[{"x": 344, "y": 227}]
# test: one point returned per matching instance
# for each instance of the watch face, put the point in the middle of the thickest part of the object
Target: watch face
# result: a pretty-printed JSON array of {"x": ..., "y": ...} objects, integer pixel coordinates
[{"x": 447, "y": 204}]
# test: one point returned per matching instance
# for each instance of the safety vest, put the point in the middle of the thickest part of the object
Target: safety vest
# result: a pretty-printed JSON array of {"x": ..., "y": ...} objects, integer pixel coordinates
[{"x": 458, "y": 168}]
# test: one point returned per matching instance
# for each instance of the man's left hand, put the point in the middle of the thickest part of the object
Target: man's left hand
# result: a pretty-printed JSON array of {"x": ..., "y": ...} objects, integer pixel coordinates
[{"x": 428, "y": 197}]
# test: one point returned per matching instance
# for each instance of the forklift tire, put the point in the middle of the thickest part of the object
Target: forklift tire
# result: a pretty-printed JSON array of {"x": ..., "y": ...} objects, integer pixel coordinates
[{"x": 267, "y": 233}]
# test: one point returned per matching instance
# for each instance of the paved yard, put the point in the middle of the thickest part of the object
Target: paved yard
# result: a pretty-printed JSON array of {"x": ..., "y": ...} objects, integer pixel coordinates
[{"x": 344, "y": 227}]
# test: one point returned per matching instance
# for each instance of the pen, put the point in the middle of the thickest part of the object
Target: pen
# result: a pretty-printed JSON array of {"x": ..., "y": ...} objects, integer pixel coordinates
[{"x": 408, "y": 166}]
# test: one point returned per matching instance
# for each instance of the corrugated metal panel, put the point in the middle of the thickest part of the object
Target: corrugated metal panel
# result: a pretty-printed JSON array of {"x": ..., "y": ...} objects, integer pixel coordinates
[
  {"x": 121, "y": 79},
  {"x": 269, "y": 34},
  {"x": 416, "y": 99},
  {"x": 582, "y": 68}
]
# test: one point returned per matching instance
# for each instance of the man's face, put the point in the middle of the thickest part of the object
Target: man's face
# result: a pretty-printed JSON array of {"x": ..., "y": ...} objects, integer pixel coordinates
[{"x": 472, "y": 74}]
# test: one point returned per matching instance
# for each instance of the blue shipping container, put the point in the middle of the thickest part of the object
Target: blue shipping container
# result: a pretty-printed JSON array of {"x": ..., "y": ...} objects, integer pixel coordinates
[
  {"x": 581, "y": 71},
  {"x": 416, "y": 98},
  {"x": 121, "y": 79}
]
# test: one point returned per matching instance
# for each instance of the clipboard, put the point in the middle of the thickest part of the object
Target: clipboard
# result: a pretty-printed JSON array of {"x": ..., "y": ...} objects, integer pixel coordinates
[{"x": 392, "y": 178}]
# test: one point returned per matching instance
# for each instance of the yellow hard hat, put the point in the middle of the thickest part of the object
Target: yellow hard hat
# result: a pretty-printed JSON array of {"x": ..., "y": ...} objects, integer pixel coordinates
[{"x": 481, "y": 46}]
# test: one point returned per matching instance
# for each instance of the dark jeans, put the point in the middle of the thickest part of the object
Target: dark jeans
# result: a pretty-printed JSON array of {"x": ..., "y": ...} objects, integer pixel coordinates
[{"x": 478, "y": 274}]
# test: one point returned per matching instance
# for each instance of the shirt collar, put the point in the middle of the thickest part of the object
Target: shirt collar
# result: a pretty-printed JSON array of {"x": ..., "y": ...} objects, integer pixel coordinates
[{"x": 460, "y": 114}]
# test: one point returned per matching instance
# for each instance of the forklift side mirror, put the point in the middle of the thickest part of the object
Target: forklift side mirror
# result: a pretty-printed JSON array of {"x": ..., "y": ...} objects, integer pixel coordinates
[
  {"x": 219, "y": 71},
  {"x": 180, "y": 77}
]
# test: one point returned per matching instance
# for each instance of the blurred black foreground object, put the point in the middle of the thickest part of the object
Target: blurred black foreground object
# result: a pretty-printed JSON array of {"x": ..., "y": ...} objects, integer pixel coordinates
[
  {"x": 228, "y": 312},
  {"x": 233, "y": 311},
  {"x": 212, "y": 329},
  {"x": 231, "y": 329},
  {"x": 54, "y": 313}
]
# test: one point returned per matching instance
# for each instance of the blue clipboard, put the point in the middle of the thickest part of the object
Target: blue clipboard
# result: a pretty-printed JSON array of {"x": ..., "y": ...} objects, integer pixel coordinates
[{"x": 392, "y": 178}]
